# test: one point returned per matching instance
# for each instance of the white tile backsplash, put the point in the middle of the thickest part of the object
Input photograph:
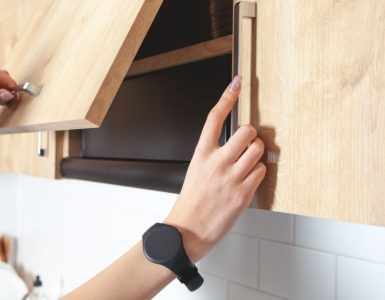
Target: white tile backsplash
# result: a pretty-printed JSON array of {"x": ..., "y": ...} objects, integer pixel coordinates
[
  {"x": 8, "y": 204},
  {"x": 68, "y": 230},
  {"x": 238, "y": 292},
  {"x": 212, "y": 288},
  {"x": 360, "y": 241},
  {"x": 296, "y": 273},
  {"x": 360, "y": 280},
  {"x": 266, "y": 225},
  {"x": 235, "y": 258}
]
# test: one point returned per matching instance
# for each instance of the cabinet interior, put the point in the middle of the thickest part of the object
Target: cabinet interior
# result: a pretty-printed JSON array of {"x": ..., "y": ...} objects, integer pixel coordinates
[{"x": 182, "y": 32}]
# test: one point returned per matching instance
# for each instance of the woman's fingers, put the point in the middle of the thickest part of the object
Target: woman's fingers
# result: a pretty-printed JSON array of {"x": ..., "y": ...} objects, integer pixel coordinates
[
  {"x": 212, "y": 129},
  {"x": 254, "y": 179},
  {"x": 6, "y": 81},
  {"x": 5, "y": 96},
  {"x": 249, "y": 159},
  {"x": 239, "y": 142}
]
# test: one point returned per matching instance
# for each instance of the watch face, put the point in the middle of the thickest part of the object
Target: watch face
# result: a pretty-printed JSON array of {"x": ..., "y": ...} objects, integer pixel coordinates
[{"x": 162, "y": 243}]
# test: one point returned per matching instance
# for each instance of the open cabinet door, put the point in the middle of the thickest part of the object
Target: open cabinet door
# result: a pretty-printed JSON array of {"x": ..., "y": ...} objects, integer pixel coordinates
[
  {"x": 19, "y": 152},
  {"x": 78, "y": 52},
  {"x": 315, "y": 77}
]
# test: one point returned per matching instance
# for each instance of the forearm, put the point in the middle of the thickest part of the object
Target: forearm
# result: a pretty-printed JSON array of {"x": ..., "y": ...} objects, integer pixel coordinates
[
  {"x": 132, "y": 276},
  {"x": 219, "y": 185}
]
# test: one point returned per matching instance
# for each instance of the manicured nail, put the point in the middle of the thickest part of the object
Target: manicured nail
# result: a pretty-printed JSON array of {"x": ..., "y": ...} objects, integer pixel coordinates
[
  {"x": 5, "y": 96},
  {"x": 235, "y": 84}
]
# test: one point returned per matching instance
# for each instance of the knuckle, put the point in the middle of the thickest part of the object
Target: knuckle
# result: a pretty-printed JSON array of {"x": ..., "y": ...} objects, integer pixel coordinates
[
  {"x": 227, "y": 96},
  {"x": 263, "y": 168},
  {"x": 258, "y": 145},
  {"x": 213, "y": 115},
  {"x": 260, "y": 171},
  {"x": 249, "y": 130}
]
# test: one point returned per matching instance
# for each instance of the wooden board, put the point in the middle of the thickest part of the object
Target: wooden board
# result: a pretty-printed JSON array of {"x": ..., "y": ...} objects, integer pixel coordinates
[
  {"x": 18, "y": 151},
  {"x": 79, "y": 52},
  {"x": 18, "y": 154},
  {"x": 197, "y": 52},
  {"x": 14, "y": 19},
  {"x": 318, "y": 94}
]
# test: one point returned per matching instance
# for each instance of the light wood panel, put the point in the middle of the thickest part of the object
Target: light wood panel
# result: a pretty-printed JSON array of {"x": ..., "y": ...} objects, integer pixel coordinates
[
  {"x": 18, "y": 154},
  {"x": 197, "y": 52},
  {"x": 319, "y": 89},
  {"x": 14, "y": 19},
  {"x": 72, "y": 143},
  {"x": 79, "y": 52},
  {"x": 18, "y": 151}
]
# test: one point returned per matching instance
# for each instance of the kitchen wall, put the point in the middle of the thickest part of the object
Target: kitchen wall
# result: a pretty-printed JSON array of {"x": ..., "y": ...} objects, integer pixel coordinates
[{"x": 69, "y": 230}]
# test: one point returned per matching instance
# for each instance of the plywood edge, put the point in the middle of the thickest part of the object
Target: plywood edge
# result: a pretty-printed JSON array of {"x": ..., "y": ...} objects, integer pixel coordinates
[
  {"x": 72, "y": 144},
  {"x": 122, "y": 62},
  {"x": 50, "y": 126},
  {"x": 197, "y": 52}
]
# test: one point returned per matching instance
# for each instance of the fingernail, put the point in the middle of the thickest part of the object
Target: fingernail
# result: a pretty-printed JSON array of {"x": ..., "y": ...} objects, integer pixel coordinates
[
  {"x": 6, "y": 96},
  {"x": 235, "y": 84}
]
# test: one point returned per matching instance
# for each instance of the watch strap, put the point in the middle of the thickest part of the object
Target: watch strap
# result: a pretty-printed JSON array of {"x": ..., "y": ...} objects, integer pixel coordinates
[
  {"x": 190, "y": 276},
  {"x": 186, "y": 272}
]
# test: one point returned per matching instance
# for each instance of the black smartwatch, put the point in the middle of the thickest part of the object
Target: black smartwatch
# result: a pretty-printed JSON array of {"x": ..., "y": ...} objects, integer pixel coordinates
[{"x": 163, "y": 245}]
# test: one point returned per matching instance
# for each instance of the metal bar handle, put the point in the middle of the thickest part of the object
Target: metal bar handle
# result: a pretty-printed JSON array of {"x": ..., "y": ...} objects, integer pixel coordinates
[
  {"x": 242, "y": 10},
  {"x": 41, "y": 151}
]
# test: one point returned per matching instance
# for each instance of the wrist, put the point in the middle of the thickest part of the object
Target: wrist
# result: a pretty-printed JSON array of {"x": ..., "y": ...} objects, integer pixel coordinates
[{"x": 193, "y": 245}]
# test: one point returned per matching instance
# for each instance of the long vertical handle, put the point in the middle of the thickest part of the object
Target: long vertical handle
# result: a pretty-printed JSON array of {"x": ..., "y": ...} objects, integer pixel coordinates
[{"x": 242, "y": 10}]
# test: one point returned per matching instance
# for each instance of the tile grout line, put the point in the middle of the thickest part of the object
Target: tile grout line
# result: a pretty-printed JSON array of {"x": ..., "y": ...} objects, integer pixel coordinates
[
  {"x": 294, "y": 230},
  {"x": 258, "y": 264},
  {"x": 312, "y": 249},
  {"x": 229, "y": 281},
  {"x": 227, "y": 290},
  {"x": 336, "y": 277}
]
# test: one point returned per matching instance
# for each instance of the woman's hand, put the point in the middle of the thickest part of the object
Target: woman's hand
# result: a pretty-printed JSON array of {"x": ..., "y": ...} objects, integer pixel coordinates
[
  {"x": 219, "y": 185},
  {"x": 220, "y": 181},
  {"x": 6, "y": 83}
]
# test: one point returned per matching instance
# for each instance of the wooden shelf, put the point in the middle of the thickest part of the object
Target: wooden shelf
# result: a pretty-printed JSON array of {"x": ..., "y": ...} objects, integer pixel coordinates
[{"x": 197, "y": 52}]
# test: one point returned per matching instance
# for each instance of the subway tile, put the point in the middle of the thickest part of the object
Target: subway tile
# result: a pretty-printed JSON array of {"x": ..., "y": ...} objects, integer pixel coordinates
[
  {"x": 360, "y": 280},
  {"x": 234, "y": 258},
  {"x": 355, "y": 240},
  {"x": 296, "y": 273},
  {"x": 212, "y": 288},
  {"x": 73, "y": 193},
  {"x": 8, "y": 204},
  {"x": 266, "y": 225},
  {"x": 238, "y": 292}
]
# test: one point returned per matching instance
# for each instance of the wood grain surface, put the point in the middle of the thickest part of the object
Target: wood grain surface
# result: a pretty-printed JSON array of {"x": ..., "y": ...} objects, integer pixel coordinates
[
  {"x": 197, "y": 52},
  {"x": 319, "y": 105},
  {"x": 18, "y": 154},
  {"x": 79, "y": 52},
  {"x": 18, "y": 151}
]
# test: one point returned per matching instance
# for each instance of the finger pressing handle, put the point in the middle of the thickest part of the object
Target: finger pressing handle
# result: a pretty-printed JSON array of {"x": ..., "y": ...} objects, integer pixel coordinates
[{"x": 244, "y": 13}]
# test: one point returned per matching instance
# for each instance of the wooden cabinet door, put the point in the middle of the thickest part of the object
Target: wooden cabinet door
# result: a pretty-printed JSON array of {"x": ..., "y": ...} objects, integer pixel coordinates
[
  {"x": 318, "y": 101},
  {"x": 78, "y": 52},
  {"x": 18, "y": 152}
]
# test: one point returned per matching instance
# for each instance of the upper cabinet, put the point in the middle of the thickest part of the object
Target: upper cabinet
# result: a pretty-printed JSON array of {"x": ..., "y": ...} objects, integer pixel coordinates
[
  {"x": 313, "y": 86},
  {"x": 318, "y": 100},
  {"x": 78, "y": 52}
]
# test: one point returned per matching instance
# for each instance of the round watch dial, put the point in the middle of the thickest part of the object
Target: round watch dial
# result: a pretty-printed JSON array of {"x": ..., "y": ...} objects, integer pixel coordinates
[{"x": 163, "y": 243}]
